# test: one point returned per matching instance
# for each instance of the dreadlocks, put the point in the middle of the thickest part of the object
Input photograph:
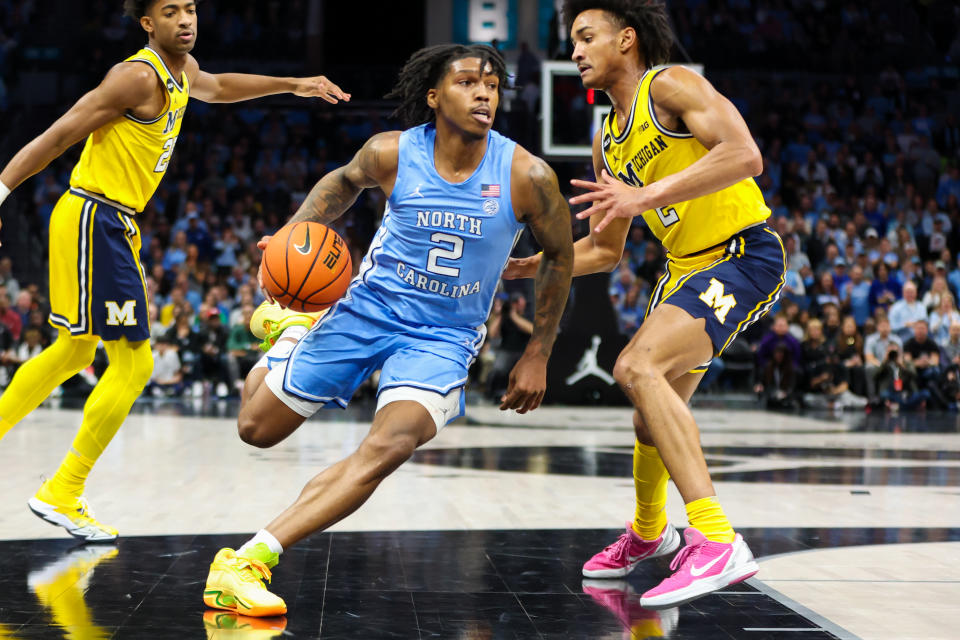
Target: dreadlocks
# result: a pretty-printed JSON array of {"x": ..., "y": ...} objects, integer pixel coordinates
[
  {"x": 647, "y": 17},
  {"x": 424, "y": 70}
]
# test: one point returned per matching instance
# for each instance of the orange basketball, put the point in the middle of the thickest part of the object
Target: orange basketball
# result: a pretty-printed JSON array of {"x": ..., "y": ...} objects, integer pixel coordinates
[{"x": 306, "y": 266}]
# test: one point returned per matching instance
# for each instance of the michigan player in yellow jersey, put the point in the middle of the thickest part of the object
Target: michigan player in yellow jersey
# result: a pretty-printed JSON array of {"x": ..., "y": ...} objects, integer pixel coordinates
[
  {"x": 97, "y": 292},
  {"x": 676, "y": 152}
]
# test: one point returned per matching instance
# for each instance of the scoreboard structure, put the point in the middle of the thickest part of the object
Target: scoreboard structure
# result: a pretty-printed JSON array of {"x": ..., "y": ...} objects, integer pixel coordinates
[{"x": 569, "y": 114}]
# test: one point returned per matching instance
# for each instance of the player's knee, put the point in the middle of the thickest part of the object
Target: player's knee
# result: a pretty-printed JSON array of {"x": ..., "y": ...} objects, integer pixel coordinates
[
  {"x": 252, "y": 433},
  {"x": 142, "y": 367},
  {"x": 632, "y": 367},
  {"x": 385, "y": 452}
]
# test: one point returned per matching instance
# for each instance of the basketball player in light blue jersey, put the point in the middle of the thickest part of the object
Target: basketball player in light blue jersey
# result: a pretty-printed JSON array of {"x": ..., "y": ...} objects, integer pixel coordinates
[{"x": 458, "y": 194}]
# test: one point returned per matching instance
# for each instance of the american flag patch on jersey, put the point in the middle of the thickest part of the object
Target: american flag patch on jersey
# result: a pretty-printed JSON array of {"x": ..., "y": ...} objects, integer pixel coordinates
[{"x": 489, "y": 191}]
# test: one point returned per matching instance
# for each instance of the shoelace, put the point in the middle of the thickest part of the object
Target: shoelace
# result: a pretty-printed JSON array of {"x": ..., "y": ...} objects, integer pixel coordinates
[
  {"x": 686, "y": 553},
  {"x": 619, "y": 548},
  {"x": 255, "y": 566}
]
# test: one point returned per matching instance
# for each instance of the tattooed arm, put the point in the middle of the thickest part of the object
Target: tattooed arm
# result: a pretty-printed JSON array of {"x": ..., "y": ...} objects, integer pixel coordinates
[
  {"x": 375, "y": 165},
  {"x": 539, "y": 204}
]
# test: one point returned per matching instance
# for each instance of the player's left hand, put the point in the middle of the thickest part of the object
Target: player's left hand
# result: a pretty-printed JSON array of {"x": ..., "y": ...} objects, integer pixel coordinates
[
  {"x": 528, "y": 382},
  {"x": 617, "y": 199},
  {"x": 320, "y": 87}
]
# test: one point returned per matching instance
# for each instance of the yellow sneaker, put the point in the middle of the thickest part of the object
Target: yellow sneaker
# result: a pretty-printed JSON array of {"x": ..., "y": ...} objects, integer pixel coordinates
[
  {"x": 270, "y": 319},
  {"x": 74, "y": 515},
  {"x": 235, "y": 583},
  {"x": 229, "y": 626}
]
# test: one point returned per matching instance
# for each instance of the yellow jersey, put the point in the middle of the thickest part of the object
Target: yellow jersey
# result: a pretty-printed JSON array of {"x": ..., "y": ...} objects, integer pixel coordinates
[
  {"x": 646, "y": 151},
  {"x": 125, "y": 159}
]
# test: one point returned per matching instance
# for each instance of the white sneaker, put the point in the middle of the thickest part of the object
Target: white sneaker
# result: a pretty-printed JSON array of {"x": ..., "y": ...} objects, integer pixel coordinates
[{"x": 222, "y": 390}]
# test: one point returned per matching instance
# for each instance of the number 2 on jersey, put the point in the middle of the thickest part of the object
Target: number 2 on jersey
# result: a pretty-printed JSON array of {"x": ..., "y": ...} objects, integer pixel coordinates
[
  {"x": 453, "y": 253},
  {"x": 667, "y": 216},
  {"x": 164, "y": 159}
]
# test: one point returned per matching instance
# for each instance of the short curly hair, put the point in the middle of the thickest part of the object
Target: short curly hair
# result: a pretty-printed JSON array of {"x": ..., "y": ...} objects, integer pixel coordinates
[
  {"x": 136, "y": 9},
  {"x": 648, "y": 18}
]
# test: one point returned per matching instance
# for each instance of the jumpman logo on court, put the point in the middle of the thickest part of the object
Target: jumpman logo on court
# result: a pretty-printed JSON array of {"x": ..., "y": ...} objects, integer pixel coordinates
[
  {"x": 588, "y": 365},
  {"x": 416, "y": 192}
]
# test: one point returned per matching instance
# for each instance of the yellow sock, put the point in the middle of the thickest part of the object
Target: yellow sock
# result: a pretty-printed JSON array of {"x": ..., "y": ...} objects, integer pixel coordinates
[
  {"x": 38, "y": 377},
  {"x": 105, "y": 410},
  {"x": 707, "y": 515},
  {"x": 650, "y": 481}
]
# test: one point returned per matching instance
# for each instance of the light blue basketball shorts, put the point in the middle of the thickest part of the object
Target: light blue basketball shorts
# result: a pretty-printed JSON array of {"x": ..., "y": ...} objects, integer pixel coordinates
[{"x": 361, "y": 334}]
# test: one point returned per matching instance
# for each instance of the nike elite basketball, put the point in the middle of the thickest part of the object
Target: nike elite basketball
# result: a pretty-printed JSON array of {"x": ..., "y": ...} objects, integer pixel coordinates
[{"x": 306, "y": 266}]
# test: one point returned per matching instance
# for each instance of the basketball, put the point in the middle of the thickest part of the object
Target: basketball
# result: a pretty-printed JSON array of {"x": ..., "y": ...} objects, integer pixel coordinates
[{"x": 306, "y": 266}]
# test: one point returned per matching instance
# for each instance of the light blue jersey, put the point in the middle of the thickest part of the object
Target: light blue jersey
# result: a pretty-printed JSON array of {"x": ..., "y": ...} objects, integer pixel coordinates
[
  {"x": 417, "y": 308},
  {"x": 439, "y": 253}
]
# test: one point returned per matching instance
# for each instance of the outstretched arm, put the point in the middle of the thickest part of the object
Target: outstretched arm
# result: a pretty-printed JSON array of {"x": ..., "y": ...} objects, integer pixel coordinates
[
  {"x": 540, "y": 205},
  {"x": 683, "y": 95},
  {"x": 235, "y": 87},
  {"x": 126, "y": 87},
  {"x": 596, "y": 252}
]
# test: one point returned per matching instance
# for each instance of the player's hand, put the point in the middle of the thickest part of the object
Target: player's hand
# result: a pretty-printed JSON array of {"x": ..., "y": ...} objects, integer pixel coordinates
[
  {"x": 518, "y": 268},
  {"x": 528, "y": 382},
  {"x": 262, "y": 245},
  {"x": 617, "y": 199},
  {"x": 320, "y": 87}
]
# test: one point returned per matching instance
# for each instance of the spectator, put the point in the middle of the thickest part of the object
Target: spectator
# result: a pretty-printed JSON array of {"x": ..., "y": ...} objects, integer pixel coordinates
[
  {"x": 212, "y": 340},
  {"x": 951, "y": 346},
  {"x": 8, "y": 316},
  {"x": 922, "y": 352},
  {"x": 243, "y": 348},
  {"x": 824, "y": 293},
  {"x": 875, "y": 350},
  {"x": 779, "y": 335},
  {"x": 6, "y": 277},
  {"x": 938, "y": 287},
  {"x": 943, "y": 318},
  {"x": 849, "y": 350},
  {"x": 906, "y": 312},
  {"x": 779, "y": 380},
  {"x": 855, "y": 296},
  {"x": 186, "y": 340},
  {"x": 167, "y": 377},
  {"x": 897, "y": 384},
  {"x": 631, "y": 309},
  {"x": 827, "y": 380}
]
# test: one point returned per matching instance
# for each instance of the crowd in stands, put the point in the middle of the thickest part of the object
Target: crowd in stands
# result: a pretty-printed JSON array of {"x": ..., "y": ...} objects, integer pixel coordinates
[{"x": 862, "y": 173}]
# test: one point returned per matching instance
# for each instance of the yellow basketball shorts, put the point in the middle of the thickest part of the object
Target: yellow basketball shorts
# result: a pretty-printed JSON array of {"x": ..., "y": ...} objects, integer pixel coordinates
[
  {"x": 97, "y": 285},
  {"x": 731, "y": 287}
]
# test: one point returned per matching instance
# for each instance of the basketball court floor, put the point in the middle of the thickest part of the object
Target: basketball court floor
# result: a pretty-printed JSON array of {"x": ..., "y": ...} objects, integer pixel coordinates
[{"x": 855, "y": 521}]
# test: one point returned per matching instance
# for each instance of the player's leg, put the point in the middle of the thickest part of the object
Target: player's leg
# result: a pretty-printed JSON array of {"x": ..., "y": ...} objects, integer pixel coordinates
[
  {"x": 649, "y": 535},
  {"x": 70, "y": 277},
  {"x": 235, "y": 579},
  {"x": 97, "y": 289},
  {"x": 38, "y": 377},
  {"x": 60, "y": 499}
]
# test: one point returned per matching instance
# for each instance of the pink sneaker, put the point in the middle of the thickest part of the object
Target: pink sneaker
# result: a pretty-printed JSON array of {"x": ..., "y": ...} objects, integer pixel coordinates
[
  {"x": 618, "y": 597},
  {"x": 701, "y": 567},
  {"x": 619, "y": 559}
]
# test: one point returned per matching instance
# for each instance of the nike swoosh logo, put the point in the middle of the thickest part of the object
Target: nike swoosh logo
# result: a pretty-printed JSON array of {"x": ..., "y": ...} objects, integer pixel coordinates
[
  {"x": 305, "y": 247},
  {"x": 699, "y": 571}
]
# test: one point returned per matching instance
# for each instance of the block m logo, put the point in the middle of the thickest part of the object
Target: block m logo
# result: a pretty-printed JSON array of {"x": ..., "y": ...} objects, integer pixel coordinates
[
  {"x": 117, "y": 315},
  {"x": 716, "y": 299}
]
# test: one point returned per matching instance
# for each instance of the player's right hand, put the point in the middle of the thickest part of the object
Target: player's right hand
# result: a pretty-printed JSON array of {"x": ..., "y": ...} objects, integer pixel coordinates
[
  {"x": 262, "y": 245},
  {"x": 518, "y": 268}
]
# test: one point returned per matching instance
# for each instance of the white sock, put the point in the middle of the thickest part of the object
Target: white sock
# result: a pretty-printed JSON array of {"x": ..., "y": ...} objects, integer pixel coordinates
[
  {"x": 281, "y": 349},
  {"x": 266, "y": 538}
]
